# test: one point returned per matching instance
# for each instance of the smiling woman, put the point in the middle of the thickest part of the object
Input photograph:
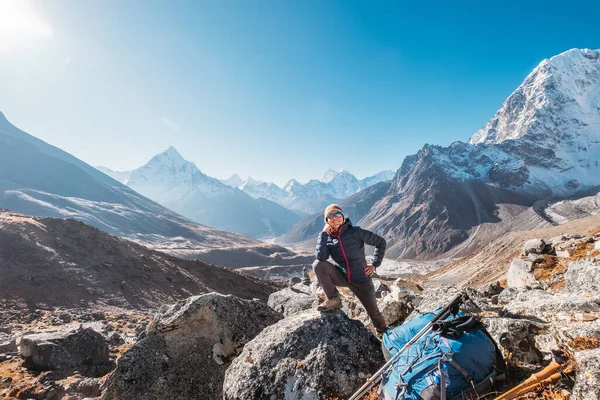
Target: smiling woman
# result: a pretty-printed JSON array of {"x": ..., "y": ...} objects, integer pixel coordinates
[{"x": 19, "y": 23}]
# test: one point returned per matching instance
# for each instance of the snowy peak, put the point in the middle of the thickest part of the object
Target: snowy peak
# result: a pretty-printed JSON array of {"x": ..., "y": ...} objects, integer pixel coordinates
[
  {"x": 560, "y": 97},
  {"x": 169, "y": 158},
  {"x": 233, "y": 181},
  {"x": 328, "y": 176},
  {"x": 167, "y": 177}
]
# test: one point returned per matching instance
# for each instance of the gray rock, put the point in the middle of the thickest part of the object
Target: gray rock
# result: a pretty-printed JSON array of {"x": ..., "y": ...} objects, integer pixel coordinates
[
  {"x": 394, "y": 310},
  {"x": 583, "y": 276},
  {"x": 587, "y": 382},
  {"x": 517, "y": 338},
  {"x": 294, "y": 280},
  {"x": 492, "y": 289},
  {"x": 293, "y": 299},
  {"x": 380, "y": 287},
  {"x": 310, "y": 355},
  {"x": 535, "y": 246},
  {"x": 187, "y": 349},
  {"x": 543, "y": 304},
  {"x": 58, "y": 350},
  {"x": 535, "y": 257},
  {"x": 437, "y": 297},
  {"x": 89, "y": 387},
  {"x": 558, "y": 337},
  {"x": 519, "y": 274},
  {"x": 8, "y": 343}
]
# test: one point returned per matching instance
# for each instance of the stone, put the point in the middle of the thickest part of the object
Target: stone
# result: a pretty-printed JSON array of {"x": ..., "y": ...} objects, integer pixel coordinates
[
  {"x": 516, "y": 337},
  {"x": 64, "y": 349},
  {"x": 8, "y": 343},
  {"x": 89, "y": 387},
  {"x": 310, "y": 355},
  {"x": 587, "y": 382},
  {"x": 380, "y": 288},
  {"x": 436, "y": 297},
  {"x": 394, "y": 310},
  {"x": 535, "y": 246},
  {"x": 597, "y": 245},
  {"x": 187, "y": 348},
  {"x": 305, "y": 276},
  {"x": 543, "y": 304},
  {"x": 492, "y": 289},
  {"x": 519, "y": 274},
  {"x": 294, "y": 281},
  {"x": 583, "y": 276},
  {"x": 293, "y": 299}
]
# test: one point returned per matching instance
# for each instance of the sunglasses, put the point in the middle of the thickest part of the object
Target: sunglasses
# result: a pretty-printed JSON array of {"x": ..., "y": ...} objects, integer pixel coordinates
[{"x": 335, "y": 214}]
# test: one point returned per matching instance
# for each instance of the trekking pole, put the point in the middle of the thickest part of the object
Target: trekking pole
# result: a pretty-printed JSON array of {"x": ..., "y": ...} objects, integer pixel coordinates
[{"x": 443, "y": 314}]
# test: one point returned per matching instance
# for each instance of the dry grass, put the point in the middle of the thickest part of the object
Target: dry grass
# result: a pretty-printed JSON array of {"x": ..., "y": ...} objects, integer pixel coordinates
[{"x": 584, "y": 343}]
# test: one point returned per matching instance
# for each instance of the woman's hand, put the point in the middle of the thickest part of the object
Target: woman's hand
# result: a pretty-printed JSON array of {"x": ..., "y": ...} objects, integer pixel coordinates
[
  {"x": 327, "y": 228},
  {"x": 370, "y": 269}
]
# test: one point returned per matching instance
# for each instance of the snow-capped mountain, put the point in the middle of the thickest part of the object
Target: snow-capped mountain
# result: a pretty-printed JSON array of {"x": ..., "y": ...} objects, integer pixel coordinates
[
  {"x": 233, "y": 181},
  {"x": 179, "y": 185},
  {"x": 121, "y": 176},
  {"x": 314, "y": 195},
  {"x": 39, "y": 179},
  {"x": 543, "y": 143}
]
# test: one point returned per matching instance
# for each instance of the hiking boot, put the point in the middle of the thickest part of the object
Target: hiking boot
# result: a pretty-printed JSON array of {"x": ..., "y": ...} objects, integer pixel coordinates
[{"x": 330, "y": 304}]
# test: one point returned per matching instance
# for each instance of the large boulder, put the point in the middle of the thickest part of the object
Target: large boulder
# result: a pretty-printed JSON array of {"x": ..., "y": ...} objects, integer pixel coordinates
[
  {"x": 520, "y": 274},
  {"x": 293, "y": 299},
  {"x": 64, "y": 349},
  {"x": 534, "y": 246},
  {"x": 587, "y": 383},
  {"x": 583, "y": 276},
  {"x": 310, "y": 355},
  {"x": 187, "y": 349},
  {"x": 437, "y": 297},
  {"x": 549, "y": 306},
  {"x": 517, "y": 338}
]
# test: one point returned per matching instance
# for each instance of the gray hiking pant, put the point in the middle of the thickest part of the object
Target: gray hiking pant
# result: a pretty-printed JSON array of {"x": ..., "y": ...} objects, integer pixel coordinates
[{"x": 330, "y": 277}]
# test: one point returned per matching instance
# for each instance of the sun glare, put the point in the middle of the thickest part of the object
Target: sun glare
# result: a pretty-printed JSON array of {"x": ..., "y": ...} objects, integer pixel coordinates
[{"x": 19, "y": 23}]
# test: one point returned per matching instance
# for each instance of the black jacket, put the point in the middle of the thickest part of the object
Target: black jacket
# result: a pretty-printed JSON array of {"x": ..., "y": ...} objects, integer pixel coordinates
[{"x": 347, "y": 249}]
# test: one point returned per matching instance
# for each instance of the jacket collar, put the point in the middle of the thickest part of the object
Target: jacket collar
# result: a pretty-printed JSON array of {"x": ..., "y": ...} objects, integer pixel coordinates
[{"x": 344, "y": 227}]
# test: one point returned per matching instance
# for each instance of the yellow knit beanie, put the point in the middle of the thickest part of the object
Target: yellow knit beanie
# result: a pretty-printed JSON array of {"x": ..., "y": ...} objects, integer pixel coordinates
[{"x": 330, "y": 208}]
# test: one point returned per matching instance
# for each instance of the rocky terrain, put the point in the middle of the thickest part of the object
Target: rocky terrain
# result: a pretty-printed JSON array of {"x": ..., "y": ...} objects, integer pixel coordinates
[{"x": 540, "y": 302}]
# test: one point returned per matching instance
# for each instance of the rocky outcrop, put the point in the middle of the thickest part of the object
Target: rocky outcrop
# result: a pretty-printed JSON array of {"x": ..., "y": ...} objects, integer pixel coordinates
[
  {"x": 519, "y": 274},
  {"x": 310, "y": 355},
  {"x": 293, "y": 299},
  {"x": 587, "y": 384},
  {"x": 534, "y": 246},
  {"x": 584, "y": 276},
  {"x": 187, "y": 349},
  {"x": 59, "y": 350}
]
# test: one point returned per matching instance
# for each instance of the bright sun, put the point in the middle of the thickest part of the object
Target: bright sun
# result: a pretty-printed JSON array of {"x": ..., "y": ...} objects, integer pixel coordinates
[{"x": 18, "y": 23}]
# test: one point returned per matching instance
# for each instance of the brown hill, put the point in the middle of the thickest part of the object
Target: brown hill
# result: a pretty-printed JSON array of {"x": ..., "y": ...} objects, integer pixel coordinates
[{"x": 52, "y": 262}]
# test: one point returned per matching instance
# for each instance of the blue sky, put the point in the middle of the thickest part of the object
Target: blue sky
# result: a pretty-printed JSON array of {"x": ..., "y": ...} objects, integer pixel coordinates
[{"x": 271, "y": 89}]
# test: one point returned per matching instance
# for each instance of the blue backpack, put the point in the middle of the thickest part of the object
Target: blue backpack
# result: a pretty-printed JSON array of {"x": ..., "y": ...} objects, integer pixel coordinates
[{"x": 456, "y": 359}]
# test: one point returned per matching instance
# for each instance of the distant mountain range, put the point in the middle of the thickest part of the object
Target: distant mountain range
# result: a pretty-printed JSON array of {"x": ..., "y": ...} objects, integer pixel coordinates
[
  {"x": 313, "y": 196},
  {"x": 170, "y": 180},
  {"x": 179, "y": 185},
  {"x": 39, "y": 179},
  {"x": 541, "y": 147}
]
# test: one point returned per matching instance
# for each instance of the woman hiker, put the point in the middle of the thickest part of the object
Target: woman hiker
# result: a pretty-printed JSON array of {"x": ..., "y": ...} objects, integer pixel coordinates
[{"x": 346, "y": 246}]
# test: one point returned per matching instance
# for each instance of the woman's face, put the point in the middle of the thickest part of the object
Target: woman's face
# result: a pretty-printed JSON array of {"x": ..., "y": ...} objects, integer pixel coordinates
[{"x": 335, "y": 219}]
